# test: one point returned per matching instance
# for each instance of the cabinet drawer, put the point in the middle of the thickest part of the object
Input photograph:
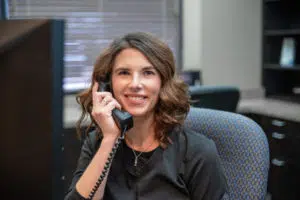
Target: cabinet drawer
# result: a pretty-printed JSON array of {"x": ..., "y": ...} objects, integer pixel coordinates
[
  {"x": 284, "y": 145},
  {"x": 271, "y": 124},
  {"x": 278, "y": 136},
  {"x": 280, "y": 178},
  {"x": 283, "y": 136},
  {"x": 275, "y": 125},
  {"x": 279, "y": 144}
]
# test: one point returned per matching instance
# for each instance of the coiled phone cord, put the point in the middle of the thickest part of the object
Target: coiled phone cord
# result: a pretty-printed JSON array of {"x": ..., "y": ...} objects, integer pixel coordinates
[{"x": 107, "y": 164}]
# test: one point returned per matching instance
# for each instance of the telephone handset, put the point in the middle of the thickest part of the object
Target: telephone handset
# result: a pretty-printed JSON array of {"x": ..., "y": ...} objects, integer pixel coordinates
[
  {"x": 124, "y": 121},
  {"x": 122, "y": 118}
]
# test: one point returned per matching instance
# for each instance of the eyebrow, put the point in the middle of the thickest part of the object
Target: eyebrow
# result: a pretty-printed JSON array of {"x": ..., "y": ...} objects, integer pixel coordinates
[
  {"x": 148, "y": 67},
  {"x": 126, "y": 68}
]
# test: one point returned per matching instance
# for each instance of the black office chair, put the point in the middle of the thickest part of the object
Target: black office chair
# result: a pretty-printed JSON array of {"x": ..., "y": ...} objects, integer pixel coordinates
[{"x": 215, "y": 97}]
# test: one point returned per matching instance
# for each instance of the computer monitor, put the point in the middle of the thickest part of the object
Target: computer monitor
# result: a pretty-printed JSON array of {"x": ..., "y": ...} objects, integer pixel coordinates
[{"x": 191, "y": 77}]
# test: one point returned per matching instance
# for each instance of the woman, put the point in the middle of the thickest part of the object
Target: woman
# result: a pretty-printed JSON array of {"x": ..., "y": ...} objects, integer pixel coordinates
[{"x": 158, "y": 158}]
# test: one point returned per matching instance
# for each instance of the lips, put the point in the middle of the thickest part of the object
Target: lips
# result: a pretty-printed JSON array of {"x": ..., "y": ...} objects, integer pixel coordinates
[{"x": 135, "y": 99}]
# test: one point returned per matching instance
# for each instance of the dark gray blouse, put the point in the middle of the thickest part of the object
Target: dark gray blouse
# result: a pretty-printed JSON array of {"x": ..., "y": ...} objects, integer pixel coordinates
[{"x": 189, "y": 168}]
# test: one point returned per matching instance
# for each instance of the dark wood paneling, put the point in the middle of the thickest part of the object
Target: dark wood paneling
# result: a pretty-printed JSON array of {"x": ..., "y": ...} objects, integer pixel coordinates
[{"x": 28, "y": 96}]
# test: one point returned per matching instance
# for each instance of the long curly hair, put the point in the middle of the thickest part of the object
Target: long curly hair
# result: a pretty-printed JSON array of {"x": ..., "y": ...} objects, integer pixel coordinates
[{"x": 173, "y": 104}]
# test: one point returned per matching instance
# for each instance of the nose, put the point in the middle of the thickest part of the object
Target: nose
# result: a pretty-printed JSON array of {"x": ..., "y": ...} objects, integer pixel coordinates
[{"x": 136, "y": 82}]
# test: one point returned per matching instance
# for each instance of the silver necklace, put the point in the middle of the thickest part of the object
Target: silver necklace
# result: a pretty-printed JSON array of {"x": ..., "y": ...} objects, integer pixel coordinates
[{"x": 136, "y": 156}]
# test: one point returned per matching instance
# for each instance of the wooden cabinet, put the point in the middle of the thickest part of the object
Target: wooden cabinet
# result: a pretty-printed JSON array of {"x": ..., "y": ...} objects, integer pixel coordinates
[
  {"x": 284, "y": 144},
  {"x": 31, "y": 104},
  {"x": 281, "y": 23}
]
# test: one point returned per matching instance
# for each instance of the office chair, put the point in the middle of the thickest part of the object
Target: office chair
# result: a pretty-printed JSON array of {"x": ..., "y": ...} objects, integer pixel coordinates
[
  {"x": 215, "y": 97},
  {"x": 243, "y": 149}
]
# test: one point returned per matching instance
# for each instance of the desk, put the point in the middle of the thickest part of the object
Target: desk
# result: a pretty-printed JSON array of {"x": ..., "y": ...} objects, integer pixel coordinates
[
  {"x": 281, "y": 122},
  {"x": 271, "y": 107}
]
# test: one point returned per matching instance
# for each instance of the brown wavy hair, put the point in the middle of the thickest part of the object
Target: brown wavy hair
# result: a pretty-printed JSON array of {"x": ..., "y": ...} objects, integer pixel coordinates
[{"x": 173, "y": 104}]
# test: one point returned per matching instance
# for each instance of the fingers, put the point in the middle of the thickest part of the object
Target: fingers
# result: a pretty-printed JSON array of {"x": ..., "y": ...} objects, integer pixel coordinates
[
  {"x": 94, "y": 93},
  {"x": 95, "y": 87},
  {"x": 98, "y": 96},
  {"x": 117, "y": 105},
  {"x": 101, "y": 99},
  {"x": 114, "y": 104},
  {"x": 105, "y": 100},
  {"x": 110, "y": 102}
]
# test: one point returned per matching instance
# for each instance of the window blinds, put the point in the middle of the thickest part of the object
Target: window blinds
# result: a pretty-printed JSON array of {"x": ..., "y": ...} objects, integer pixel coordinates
[{"x": 92, "y": 24}]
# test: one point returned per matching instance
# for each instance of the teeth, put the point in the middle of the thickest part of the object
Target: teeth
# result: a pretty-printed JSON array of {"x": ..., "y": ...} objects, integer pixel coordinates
[{"x": 135, "y": 98}]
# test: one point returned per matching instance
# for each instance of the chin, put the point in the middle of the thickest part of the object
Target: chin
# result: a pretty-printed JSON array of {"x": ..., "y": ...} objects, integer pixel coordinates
[{"x": 138, "y": 112}]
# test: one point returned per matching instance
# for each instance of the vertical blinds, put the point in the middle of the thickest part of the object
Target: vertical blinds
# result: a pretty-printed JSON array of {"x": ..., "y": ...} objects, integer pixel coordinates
[{"x": 92, "y": 24}]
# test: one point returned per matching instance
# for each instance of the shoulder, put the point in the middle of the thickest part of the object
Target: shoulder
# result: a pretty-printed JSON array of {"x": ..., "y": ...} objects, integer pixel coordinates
[
  {"x": 198, "y": 145},
  {"x": 92, "y": 141},
  {"x": 202, "y": 169},
  {"x": 93, "y": 135}
]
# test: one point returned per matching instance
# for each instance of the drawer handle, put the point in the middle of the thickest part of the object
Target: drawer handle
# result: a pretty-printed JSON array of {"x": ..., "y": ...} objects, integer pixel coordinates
[
  {"x": 278, "y": 123},
  {"x": 278, "y": 136},
  {"x": 277, "y": 162}
]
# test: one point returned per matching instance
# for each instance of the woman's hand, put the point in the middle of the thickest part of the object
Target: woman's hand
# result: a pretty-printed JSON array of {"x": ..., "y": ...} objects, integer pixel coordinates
[{"x": 103, "y": 104}]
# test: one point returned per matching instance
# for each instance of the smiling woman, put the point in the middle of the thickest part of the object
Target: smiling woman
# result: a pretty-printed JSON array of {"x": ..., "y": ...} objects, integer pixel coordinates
[
  {"x": 136, "y": 83},
  {"x": 141, "y": 73},
  {"x": 141, "y": 62}
]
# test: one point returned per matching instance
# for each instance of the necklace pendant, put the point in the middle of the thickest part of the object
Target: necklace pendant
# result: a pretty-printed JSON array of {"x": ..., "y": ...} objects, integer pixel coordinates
[{"x": 135, "y": 161}]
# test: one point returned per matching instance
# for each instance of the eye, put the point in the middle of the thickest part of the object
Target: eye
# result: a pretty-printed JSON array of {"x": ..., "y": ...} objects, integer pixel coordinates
[
  {"x": 123, "y": 72},
  {"x": 149, "y": 72}
]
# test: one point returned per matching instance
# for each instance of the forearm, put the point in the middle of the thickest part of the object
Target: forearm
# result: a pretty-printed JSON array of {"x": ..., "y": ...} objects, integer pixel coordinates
[
  {"x": 92, "y": 173},
  {"x": 100, "y": 191}
]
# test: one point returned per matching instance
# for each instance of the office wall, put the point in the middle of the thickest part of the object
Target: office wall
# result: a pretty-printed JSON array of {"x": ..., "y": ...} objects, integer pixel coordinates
[
  {"x": 223, "y": 40},
  {"x": 192, "y": 33}
]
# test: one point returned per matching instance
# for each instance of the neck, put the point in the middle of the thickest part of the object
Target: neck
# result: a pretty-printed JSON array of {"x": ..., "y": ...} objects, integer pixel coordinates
[{"x": 142, "y": 134}]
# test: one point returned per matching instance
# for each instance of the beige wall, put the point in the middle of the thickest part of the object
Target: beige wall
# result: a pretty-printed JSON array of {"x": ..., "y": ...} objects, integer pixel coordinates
[
  {"x": 192, "y": 33},
  {"x": 223, "y": 39}
]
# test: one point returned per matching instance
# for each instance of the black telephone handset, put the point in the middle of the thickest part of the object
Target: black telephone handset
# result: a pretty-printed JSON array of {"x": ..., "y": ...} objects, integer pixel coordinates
[{"x": 122, "y": 118}]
